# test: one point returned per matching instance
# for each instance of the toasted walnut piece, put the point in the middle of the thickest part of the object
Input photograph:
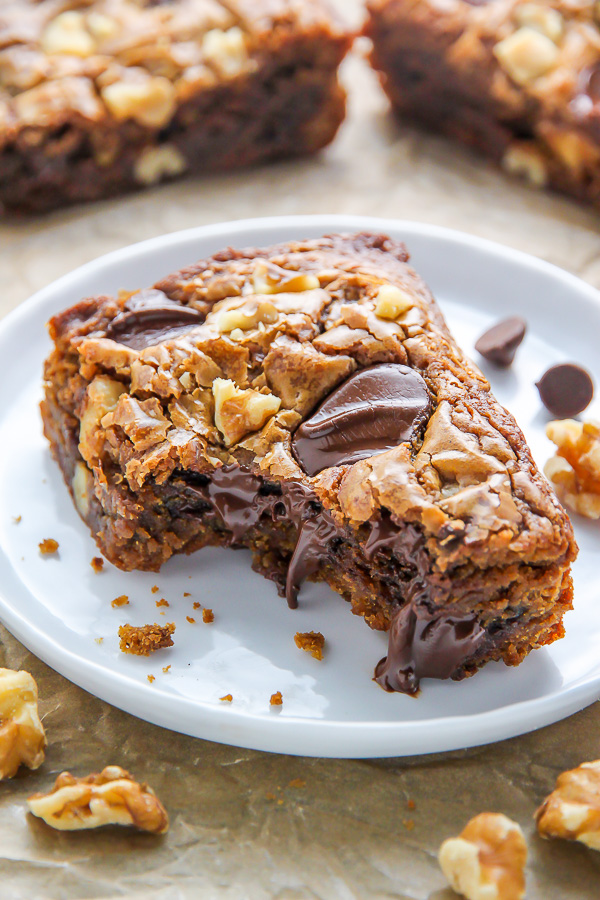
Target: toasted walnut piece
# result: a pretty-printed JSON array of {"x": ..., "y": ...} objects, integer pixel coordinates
[
  {"x": 244, "y": 316},
  {"x": 276, "y": 699},
  {"x": 111, "y": 797},
  {"x": 142, "y": 421},
  {"x": 101, "y": 26},
  {"x": 575, "y": 470},
  {"x": 269, "y": 278},
  {"x": 83, "y": 487},
  {"x": 391, "y": 302},
  {"x": 67, "y": 33},
  {"x": 311, "y": 641},
  {"x": 526, "y": 55},
  {"x": 150, "y": 101},
  {"x": 575, "y": 151},
  {"x": 239, "y": 412},
  {"x": 102, "y": 397},
  {"x": 226, "y": 50},
  {"x": 572, "y": 810},
  {"x": 48, "y": 546},
  {"x": 156, "y": 163},
  {"x": 487, "y": 861},
  {"x": 542, "y": 18},
  {"x": 526, "y": 161},
  {"x": 22, "y": 738},
  {"x": 145, "y": 639}
]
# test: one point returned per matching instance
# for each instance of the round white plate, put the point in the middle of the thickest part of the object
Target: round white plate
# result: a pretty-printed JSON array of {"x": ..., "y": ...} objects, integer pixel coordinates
[{"x": 61, "y": 610}]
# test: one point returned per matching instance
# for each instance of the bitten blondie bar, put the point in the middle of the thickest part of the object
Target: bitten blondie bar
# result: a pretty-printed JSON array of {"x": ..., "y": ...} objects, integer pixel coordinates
[
  {"x": 518, "y": 80},
  {"x": 308, "y": 401},
  {"x": 102, "y": 96}
]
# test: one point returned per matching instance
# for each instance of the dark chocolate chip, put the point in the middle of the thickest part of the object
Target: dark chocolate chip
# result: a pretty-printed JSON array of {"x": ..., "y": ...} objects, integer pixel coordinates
[
  {"x": 372, "y": 411},
  {"x": 566, "y": 390},
  {"x": 499, "y": 343}
]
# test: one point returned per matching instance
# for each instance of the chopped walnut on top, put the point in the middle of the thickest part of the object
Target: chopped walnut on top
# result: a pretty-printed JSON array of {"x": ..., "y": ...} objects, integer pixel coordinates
[
  {"x": 145, "y": 639},
  {"x": 22, "y": 738},
  {"x": 575, "y": 470},
  {"x": 572, "y": 810},
  {"x": 487, "y": 860},
  {"x": 311, "y": 641},
  {"x": 111, "y": 797}
]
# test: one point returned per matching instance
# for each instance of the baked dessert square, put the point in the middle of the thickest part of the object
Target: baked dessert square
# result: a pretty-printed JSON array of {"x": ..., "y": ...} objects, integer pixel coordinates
[
  {"x": 517, "y": 80},
  {"x": 307, "y": 401},
  {"x": 105, "y": 96}
]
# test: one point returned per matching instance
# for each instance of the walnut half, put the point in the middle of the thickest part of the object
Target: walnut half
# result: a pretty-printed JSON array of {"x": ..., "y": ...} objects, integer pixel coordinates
[
  {"x": 575, "y": 470},
  {"x": 487, "y": 860},
  {"x": 111, "y": 797},
  {"x": 572, "y": 810},
  {"x": 22, "y": 738}
]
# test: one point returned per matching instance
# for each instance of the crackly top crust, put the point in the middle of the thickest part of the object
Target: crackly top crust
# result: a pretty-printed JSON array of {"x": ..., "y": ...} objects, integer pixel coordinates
[
  {"x": 535, "y": 61},
  {"x": 105, "y": 61},
  {"x": 468, "y": 483}
]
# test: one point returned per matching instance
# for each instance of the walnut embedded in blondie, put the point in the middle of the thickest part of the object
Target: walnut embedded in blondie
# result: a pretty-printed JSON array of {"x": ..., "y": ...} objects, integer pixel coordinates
[{"x": 145, "y": 639}]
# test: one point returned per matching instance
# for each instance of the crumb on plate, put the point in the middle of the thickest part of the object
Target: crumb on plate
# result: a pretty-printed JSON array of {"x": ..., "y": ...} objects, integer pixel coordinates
[
  {"x": 311, "y": 641},
  {"x": 143, "y": 640},
  {"x": 48, "y": 546}
]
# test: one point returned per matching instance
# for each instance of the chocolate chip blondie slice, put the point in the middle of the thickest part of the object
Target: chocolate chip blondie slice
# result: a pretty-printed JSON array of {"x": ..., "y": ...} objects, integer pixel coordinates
[
  {"x": 518, "y": 80},
  {"x": 308, "y": 401},
  {"x": 104, "y": 96}
]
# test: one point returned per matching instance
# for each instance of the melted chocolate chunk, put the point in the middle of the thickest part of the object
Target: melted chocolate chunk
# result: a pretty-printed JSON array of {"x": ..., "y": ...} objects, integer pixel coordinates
[
  {"x": 240, "y": 499},
  {"x": 499, "y": 344},
  {"x": 422, "y": 645},
  {"x": 235, "y": 494},
  {"x": 566, "y": 390},
  {"x": 150, "y": 317},
  {"x": 372, "y": 411}
]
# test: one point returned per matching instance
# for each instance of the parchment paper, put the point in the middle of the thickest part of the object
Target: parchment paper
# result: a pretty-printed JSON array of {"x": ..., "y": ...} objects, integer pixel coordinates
[{"x": 348, "y": 834}]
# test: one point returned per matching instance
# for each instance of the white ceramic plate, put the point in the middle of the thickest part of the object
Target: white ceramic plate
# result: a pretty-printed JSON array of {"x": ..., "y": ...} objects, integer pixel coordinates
[{"x": 60, "y": 609}]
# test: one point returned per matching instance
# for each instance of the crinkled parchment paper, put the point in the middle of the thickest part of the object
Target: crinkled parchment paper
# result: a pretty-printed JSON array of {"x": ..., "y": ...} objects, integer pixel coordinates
[{"x": 239, "y": 829}]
